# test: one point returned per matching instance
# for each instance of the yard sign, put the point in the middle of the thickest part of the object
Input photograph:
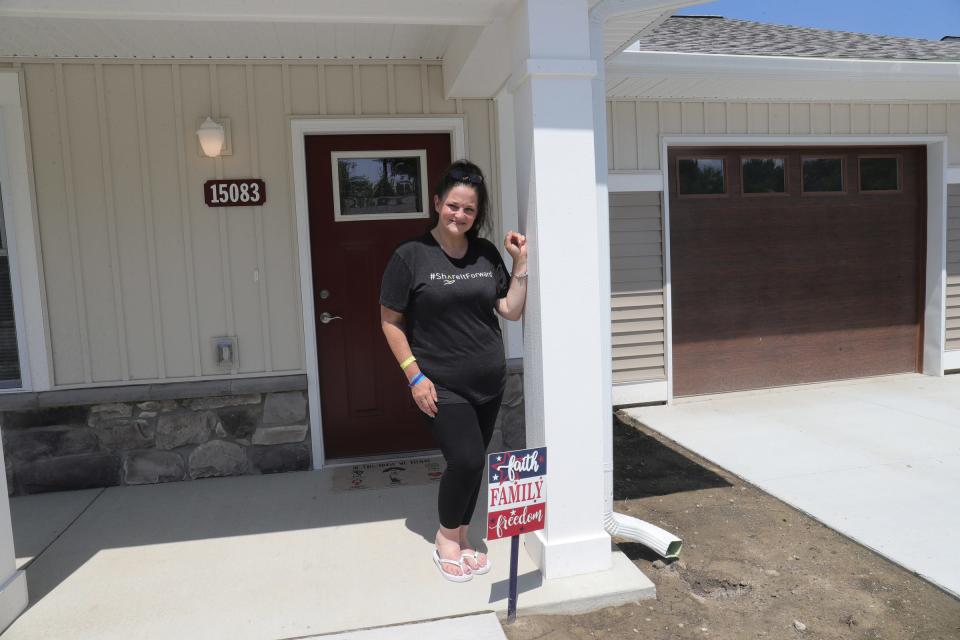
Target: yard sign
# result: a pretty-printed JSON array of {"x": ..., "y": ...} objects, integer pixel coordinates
[
  {"x": 516, "y": 503},
  {"x": 517, "y": 491}
]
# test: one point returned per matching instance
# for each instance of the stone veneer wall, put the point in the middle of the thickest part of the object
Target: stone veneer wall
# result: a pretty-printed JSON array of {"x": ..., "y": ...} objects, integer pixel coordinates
[
  {"x": 130, "y": 442},
  {"x": 510, "y": 432}
]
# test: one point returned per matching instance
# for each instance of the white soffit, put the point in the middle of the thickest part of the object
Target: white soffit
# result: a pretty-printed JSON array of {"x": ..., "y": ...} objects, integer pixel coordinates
[
  {"x": 623, "y": 26},
  {"x": 184, "y": 39},
  {"x": 620, "y": 31},
  {"x": 350, "y": 29},
  {"x": 662, "y": 75}
]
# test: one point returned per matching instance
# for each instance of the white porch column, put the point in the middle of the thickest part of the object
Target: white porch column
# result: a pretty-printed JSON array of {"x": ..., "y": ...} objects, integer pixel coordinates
[
  {"x": 24, "y": 261},
  {"x": 563, "y": 364},
  {"x": 509, "y": 216},
  {"x": 13, "y": 581}
]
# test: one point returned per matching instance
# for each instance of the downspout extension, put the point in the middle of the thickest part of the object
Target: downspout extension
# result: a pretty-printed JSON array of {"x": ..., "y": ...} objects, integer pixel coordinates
[
  {"x": 649, "y": 535},
  {"x": 662, "y": 542}
]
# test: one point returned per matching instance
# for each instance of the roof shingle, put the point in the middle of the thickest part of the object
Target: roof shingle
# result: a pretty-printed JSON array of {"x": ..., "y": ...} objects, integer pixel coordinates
[{"x": 717, "y": 35}]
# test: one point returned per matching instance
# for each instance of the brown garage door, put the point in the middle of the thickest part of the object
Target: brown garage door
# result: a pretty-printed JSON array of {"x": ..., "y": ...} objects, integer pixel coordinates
[{"x": 794, "y": 265}]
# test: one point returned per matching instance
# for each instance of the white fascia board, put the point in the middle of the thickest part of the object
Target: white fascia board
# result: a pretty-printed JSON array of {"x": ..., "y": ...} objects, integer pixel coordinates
[
  {"x": 641, "y": 392},
  {"x": 640, "y": 63},
  {"x": 951, "y": 361},
  {"x": 445, "y": 12},
  {"x": 633, "y": 18},
  {"x": 787, "y": 78},
  {"x": 620, "y": 32},
  {"x": 635, "y": 181},
  {"x": 611, "y": 9}
]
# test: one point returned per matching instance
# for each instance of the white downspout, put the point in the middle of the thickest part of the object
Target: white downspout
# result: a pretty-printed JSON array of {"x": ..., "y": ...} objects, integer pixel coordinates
[{"x": 663, "y": 542}]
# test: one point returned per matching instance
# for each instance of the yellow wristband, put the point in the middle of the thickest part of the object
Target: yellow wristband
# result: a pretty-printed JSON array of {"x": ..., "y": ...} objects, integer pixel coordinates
[{"x": 406, "y": 363}]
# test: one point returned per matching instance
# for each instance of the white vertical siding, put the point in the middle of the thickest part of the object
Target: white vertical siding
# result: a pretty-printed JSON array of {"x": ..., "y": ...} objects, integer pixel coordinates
[
  {"x": 953, "y": 130},
  {"x": 409, "y": 96},
  {"x": 240, "y": 224},
  {"x": 899, "y": 118},
  {"x": 211, "y": 281},
  {"x": 636, "y": 283},
  {"x": 55, "y": 200},
  {"x": 625, "y": 145},
  {"x": 647, "y": 120},
  {"x": 274, "y": 92},
  {"x": 758, "y": 118},
  {"x": 82, "y": 151},
  {"x": 139, "y": 273},
  {"x": 139, "y": 335},
  {"x": 164, "y": 149},
  {"x": 801, "y": 118},
  {"x": 779, "y": 119}
]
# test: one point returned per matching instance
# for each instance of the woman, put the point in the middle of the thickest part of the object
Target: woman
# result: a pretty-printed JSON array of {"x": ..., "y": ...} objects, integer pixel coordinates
[{"x": 437, "y": 300}]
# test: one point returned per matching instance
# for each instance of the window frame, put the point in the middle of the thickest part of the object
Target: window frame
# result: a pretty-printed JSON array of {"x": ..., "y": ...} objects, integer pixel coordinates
[
  {"x": 786, "y": 177},
  {"x": 703, "y": 196},
  {"x": 898, "y": 157},
  {"x": 419, "y": 154},
  {"x": 843, "y": 175}
]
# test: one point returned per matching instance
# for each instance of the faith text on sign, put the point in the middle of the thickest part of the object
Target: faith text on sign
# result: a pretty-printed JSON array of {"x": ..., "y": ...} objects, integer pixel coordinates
[{"x": 517, "y": 492}]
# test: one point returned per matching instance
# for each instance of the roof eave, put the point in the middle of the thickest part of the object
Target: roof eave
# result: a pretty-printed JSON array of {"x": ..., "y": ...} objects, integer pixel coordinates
[{"x": 785, "y": 77}]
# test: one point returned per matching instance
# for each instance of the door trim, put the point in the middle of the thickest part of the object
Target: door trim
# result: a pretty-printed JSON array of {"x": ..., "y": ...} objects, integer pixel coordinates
[
  {"x": 300, "y": 127},
  {"x": 23, "y": 237},
  {"x": 933, "y": 321}
]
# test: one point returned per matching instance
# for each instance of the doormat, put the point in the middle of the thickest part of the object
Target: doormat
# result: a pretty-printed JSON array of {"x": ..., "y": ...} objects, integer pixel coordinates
[{"x": 389, "y": 473}]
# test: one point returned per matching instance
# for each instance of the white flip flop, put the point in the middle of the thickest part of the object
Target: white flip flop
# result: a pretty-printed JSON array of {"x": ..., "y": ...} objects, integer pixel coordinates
[
  {"x": 474, "y": 554},
  {"x": 464, "y": 577}
]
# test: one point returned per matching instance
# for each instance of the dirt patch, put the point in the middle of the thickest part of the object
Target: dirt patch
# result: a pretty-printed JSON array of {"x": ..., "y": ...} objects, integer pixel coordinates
[
  {"x": 751, "y": 567},
  {"x": 707, "y": 587}
]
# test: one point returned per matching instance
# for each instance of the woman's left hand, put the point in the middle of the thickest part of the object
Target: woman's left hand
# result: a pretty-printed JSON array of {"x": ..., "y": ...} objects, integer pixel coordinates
[{"x": 516, "y": 245}]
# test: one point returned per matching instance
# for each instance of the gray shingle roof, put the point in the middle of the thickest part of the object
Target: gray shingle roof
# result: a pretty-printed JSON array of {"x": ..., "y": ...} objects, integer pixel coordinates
[{"x": 709, "y": 34}]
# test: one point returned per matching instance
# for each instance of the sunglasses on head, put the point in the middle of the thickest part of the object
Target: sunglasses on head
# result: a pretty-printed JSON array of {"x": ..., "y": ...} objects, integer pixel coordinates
[{"x": 462, "y": 176}]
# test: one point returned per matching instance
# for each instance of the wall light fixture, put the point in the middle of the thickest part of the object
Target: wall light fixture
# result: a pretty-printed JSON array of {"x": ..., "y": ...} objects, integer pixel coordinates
[{"x": 213, "y": 137}]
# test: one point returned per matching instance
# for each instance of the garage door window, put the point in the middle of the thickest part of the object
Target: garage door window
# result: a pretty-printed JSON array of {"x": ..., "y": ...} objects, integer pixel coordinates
[
  {"x": 701, "y": 177},
  {"x": 823, "y": 175},
  {"x": 879, "y": 174},
  {"x": 764, "y": 176}
]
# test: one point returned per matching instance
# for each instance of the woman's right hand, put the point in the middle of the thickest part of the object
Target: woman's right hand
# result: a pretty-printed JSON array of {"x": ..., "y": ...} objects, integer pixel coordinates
[{"x": 425, "y": 395}]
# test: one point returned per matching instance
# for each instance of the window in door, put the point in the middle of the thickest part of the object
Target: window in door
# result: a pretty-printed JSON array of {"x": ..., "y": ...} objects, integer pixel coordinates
[{"x": 701, "y": 177}]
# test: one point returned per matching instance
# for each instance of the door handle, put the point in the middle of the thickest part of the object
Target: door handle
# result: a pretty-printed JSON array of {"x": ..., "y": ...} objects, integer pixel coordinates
[{"x": 326, "y": 317}]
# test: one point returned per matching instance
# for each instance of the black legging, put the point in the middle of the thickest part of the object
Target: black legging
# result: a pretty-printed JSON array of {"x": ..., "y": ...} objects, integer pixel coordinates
[{"x": 463, "y": 432}]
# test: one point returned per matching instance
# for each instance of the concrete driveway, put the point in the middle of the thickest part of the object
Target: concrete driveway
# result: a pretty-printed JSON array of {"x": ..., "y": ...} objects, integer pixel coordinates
[{"x": 877, "y": 459}]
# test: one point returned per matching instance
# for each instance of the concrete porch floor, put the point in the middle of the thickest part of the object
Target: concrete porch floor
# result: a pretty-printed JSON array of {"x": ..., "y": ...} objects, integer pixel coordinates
[
  {"x": 265, "y": 557},
  {"x": 877, "y": 460}
]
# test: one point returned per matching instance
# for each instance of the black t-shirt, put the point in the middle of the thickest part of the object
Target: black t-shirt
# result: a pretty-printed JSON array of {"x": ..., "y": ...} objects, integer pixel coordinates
[{"x": 448, "y": 307}]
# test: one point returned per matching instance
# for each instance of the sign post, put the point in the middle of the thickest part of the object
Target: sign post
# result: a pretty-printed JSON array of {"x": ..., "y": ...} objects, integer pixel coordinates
[{"x": 516, "y": 503}]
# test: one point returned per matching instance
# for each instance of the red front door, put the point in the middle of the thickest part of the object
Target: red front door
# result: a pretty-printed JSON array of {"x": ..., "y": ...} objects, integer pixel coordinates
[{"x": 365, "y": 404}]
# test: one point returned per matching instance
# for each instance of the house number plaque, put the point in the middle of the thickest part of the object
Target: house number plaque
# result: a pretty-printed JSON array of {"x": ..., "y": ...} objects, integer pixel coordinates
[{"x": 245, "y": 192}]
